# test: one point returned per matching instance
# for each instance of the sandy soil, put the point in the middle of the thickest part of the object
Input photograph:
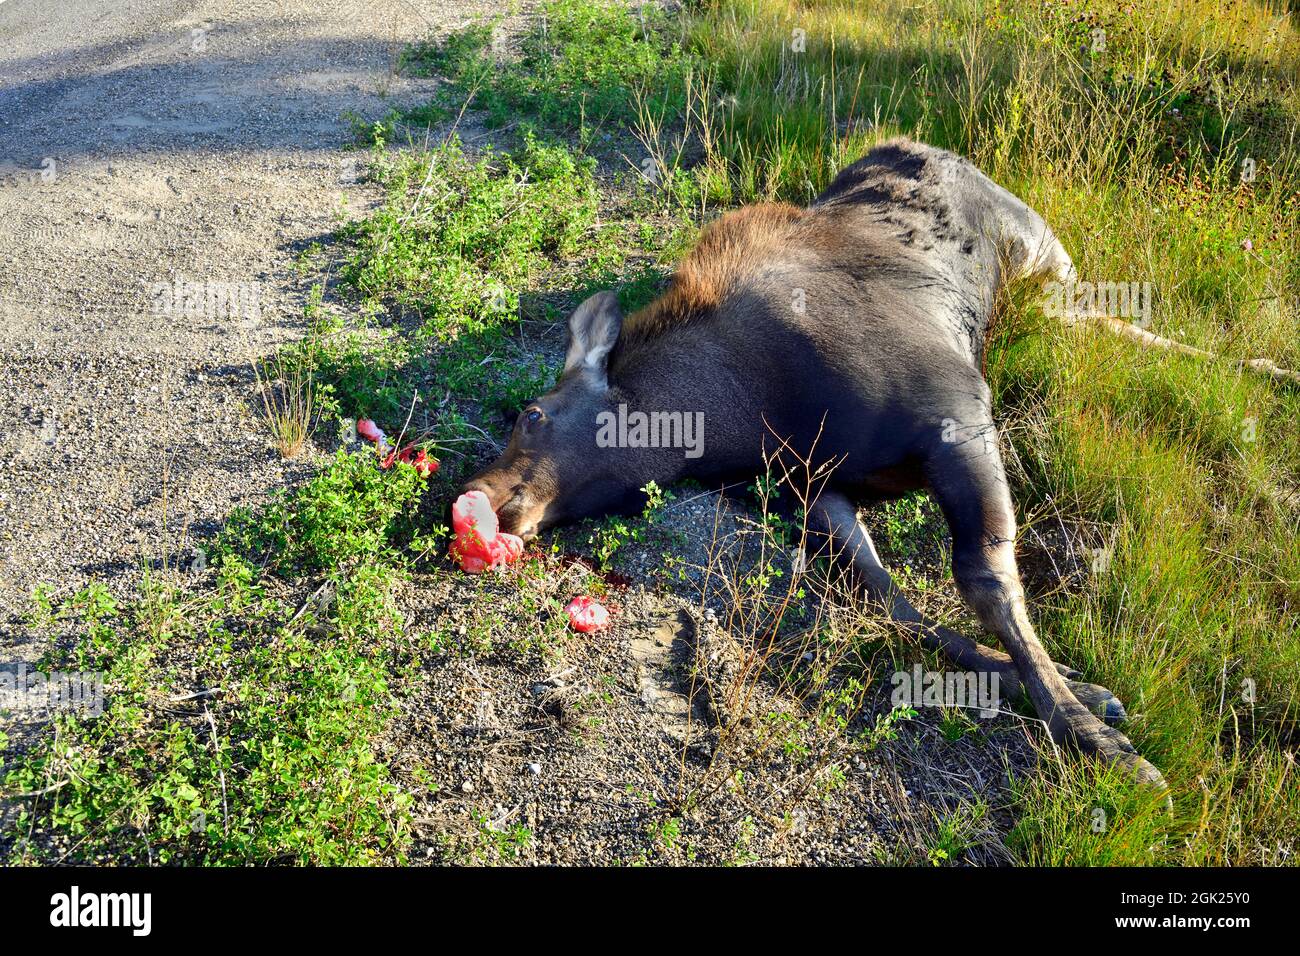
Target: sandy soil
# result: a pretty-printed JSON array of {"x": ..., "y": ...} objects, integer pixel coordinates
[{"x": 142, "y": 144}]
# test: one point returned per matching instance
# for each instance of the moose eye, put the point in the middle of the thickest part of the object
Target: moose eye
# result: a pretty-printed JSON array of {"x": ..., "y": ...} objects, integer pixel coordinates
[{"x": 533, "y": 416}]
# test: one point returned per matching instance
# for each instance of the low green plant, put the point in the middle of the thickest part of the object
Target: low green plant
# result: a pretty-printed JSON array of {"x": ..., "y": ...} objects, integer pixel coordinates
[
  {"x": 458, "y": 240},
  {"x": 614, "y": 533},
  {"x": 911, "y": 522},
  {"x": 955, "y": 724},
  {"x": 497, "y": 843},
  {"x": 580, "y": 67},
  {"x": 351, "y": 512},
  {"x": 885, "y": 727},
  {"x": 955, "y": 833},
  {"x": 232, "y": 737}
]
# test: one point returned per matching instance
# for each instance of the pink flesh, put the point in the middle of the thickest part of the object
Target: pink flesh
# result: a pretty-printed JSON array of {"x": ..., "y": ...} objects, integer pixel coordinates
[
  {"x": 585, "y": 615},
  {"x": 478, "y": 544},
  {"x": 369, "y": 430}
]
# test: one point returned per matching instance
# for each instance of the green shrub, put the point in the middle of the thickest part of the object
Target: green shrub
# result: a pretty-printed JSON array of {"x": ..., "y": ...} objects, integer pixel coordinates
[
  {"x": 457, "y": 240},
  {"x": 351, "y": 512}
]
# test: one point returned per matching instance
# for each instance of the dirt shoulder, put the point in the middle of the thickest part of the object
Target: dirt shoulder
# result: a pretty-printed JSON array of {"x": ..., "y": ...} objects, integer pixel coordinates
[{"x": 142, "y": 146}]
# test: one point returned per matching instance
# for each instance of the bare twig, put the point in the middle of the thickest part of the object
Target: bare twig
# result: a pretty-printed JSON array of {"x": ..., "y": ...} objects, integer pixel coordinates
[
  {"x": 40, "y": 793},
  {"x": 221, "y": 773},
  {"x": 199, "y": 694}
]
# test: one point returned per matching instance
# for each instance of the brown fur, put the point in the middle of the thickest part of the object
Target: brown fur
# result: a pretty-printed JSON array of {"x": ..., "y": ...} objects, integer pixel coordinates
[{"x": 729, "y": 249}]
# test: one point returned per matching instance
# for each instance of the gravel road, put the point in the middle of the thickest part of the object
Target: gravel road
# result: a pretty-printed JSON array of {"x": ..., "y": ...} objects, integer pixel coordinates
[{"x": 161, "y": 165}]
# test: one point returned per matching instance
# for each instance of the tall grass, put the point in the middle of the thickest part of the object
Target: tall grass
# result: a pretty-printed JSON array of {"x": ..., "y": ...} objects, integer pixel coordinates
[
  {"x": 1133, "y": 148},
  {"x": 287, "y": 386}
]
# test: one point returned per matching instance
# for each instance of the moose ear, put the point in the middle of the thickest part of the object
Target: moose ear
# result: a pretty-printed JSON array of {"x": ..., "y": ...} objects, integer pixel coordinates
[{"x": 593, "y": 330}]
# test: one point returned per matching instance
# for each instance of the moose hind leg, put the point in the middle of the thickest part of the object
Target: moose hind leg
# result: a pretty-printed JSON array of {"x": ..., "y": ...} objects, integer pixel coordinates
[
  {"x": 833, "y": 519},
  {"x": 970, "y": 484}
]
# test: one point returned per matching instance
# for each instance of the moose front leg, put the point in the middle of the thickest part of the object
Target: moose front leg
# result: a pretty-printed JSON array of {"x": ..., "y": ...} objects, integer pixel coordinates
[
  {"x": 970, "y": 485},
  {"x": 833, "y": 519}
]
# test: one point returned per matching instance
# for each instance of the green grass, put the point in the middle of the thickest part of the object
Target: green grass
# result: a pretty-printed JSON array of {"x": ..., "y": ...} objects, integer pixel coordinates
[
  {"x": 279, "y": 763},
  {"x": 433, "y": 283},
  {"x": 458, "y": 240},
  {"x": 1186, "y": 471},
  {"x": 350, "y": 514},
  {"x": 277, "y": 766},
  {"x": 442, "y": 272},
  {"x": 586, "y": 68}
]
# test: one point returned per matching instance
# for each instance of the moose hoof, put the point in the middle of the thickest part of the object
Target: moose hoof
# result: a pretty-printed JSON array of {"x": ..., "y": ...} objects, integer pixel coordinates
[
  {"x": 1100, "y": 701},
  {"x": 1093, "y": 737},
  {"x": 1144, "y": 772}
]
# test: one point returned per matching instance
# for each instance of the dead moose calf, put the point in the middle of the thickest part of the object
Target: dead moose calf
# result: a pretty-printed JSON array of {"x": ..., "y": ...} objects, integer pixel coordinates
[{"x": 853, "y": 328}]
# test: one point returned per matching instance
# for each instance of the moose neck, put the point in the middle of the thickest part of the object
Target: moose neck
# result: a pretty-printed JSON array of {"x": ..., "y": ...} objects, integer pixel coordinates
[{"x": 686, "y": 391}]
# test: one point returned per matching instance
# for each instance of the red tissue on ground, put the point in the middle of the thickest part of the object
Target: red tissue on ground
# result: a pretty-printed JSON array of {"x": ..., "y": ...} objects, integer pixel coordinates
[
  {"x": 368, "y": 430},
  {"x": 586, "y": 615},
  {"x": 425, "y": 465},
  {"x": 371, "y": 432},
  {"x": 478, "y": 544}
]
